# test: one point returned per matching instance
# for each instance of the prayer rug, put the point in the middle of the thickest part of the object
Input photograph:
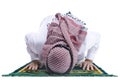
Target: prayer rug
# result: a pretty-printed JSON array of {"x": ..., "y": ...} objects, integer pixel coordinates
[{"x": 77, "y": 71}]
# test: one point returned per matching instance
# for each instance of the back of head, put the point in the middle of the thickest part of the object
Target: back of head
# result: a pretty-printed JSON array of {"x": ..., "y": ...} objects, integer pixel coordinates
[{"x": 59, "y": 60}]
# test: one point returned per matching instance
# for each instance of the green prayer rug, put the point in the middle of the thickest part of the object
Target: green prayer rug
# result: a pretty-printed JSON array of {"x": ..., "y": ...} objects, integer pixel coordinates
[{"x": 77, "y": 71}]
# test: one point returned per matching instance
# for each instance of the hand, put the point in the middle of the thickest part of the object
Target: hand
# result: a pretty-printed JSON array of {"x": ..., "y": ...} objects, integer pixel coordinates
[
  {"x": 34, "y": 65},
  {"x": 88, "y": 65}
]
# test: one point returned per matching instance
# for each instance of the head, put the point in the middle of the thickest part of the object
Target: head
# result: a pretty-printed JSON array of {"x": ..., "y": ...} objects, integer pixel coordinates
[{"x": 59, "y": 59}]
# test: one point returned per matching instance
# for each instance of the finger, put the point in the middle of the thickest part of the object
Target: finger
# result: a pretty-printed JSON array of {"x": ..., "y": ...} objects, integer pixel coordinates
[
  {"x": 88, "y": 67},
  {"x": 34, "y": 67},
  {"x": 84, "y": 66},
  {"x": 91, "y": 67},
  {"x": 30, "y": 67},
  {"x": 26, "y": 67}
]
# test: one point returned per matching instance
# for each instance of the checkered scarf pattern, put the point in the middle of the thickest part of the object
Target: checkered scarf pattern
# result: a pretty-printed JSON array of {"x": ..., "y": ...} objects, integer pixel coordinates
[{"x": 63, "y": 31}]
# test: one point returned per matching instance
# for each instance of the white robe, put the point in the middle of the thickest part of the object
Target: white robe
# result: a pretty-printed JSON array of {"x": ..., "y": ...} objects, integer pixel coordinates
[{"x": 36, "y": 40}]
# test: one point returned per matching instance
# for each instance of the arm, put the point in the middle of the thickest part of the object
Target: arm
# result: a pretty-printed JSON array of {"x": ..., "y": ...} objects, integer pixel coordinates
[
  {"x": 35, "y": 61},
  {"x": 34, "y": 42},
  {"x": 92, "y": 51},
  {"x": 88, "y": 63},
  {"x": 34, "y": 45},
  {"x": 93, "y": 44}
]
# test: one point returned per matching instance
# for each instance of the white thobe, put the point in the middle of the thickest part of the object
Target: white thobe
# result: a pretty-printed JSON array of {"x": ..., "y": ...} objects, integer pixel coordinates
[{"x": 36, "y": 40}]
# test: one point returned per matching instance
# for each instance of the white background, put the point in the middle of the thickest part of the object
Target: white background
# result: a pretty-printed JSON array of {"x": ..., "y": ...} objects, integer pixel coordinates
[{"x": 18, "y": 17}]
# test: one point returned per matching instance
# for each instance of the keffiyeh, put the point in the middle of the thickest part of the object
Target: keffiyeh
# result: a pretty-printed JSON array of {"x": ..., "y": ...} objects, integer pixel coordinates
[{"x": 64, "y": 39}]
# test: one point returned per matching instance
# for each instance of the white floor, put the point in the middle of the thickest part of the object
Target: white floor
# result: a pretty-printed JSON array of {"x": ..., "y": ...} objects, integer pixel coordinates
[{"x": 20, "y": 17}]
